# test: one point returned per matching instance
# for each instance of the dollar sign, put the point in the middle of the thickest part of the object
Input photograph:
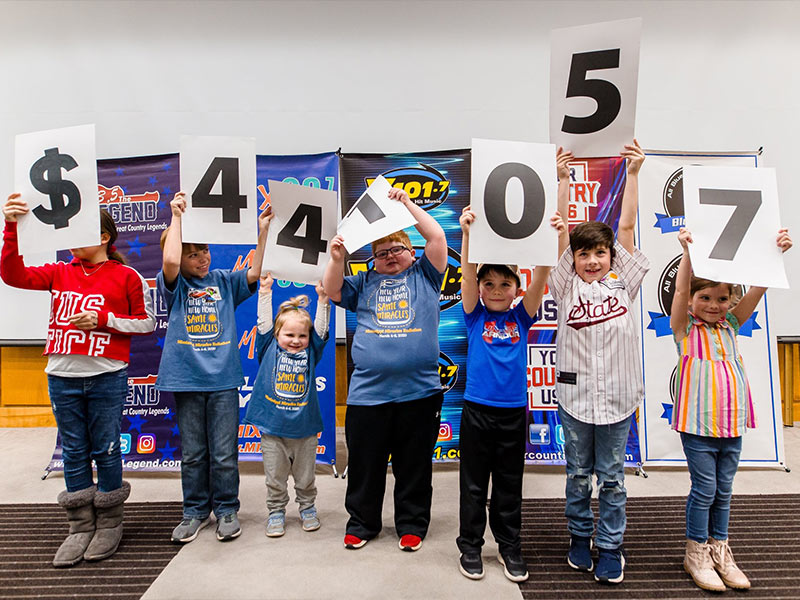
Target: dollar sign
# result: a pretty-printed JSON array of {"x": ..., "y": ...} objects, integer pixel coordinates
[{"x": 59, "y": 213}]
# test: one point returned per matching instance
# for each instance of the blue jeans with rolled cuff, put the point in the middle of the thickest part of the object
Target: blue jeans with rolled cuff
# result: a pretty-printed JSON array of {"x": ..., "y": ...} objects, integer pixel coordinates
[{"x": 88, "y": 412}]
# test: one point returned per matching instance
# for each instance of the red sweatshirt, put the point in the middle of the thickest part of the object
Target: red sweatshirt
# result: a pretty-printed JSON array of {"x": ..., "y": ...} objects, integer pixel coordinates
[{"x": 118, "y": 294}]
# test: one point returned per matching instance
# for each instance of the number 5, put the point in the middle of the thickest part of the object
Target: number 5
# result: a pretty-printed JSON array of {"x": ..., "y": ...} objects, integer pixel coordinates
[
  {"x": 747, "y": 203},
  {"x": 603, "y": 92}
]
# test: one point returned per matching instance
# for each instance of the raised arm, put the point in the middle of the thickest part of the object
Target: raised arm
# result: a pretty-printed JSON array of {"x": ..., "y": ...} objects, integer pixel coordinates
[
  {"x": 435, "y": 240},
  {"x": 171, "y": 260},
  {"x": 562, "y": 158},
  {"x": 469, "y": 271},
  {"x": 254, "y": 272},
  {"x": 532, "y": 299},
  {"x": 679, "y": 313},
  {"x": 333, "y": 278},
  {"x": 634, "y": 155},
  {"x": 264, "y": 313},
  {"x": 323, "y": 317}
]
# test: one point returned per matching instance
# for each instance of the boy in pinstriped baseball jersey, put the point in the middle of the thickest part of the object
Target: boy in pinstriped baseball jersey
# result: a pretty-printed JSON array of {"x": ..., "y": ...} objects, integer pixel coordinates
[{"x": 598, "y": 373}]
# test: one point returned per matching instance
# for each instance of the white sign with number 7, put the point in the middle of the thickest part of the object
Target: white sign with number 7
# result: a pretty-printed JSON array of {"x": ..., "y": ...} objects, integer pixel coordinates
[
  {"x": 594, "y": 73},
  {"x": 733, "y": 215}
]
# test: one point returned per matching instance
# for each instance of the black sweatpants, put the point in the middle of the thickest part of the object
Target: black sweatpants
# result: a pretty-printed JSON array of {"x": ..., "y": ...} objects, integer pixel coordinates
[
  {"x": 406, "y": 431},
  {"x": 492, "y": 444}
]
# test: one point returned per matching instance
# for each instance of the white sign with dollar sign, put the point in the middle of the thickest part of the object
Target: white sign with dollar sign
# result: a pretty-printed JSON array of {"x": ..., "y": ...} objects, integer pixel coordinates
[{"x": 56, "y": 174}]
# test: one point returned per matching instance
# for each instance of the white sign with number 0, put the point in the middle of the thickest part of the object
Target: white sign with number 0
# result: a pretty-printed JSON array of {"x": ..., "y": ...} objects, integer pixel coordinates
[
  {"x": 218, "y": 175},
  {"x": 513, "y": 195},
  {"x": 300, "y": 231},
  {"x": 733, "y": 215},
  {"x": 56, "y": 174},
  {"x": 594, "y": 72}
]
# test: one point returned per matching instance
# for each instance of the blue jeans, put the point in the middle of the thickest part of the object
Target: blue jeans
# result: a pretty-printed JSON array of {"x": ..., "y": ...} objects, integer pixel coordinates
[
  {"x": 88, "y": 412},
  {"x": 712, "y": 464},
  {"x": 596, "y": 449},
  {"x": 209, "y": 426}
]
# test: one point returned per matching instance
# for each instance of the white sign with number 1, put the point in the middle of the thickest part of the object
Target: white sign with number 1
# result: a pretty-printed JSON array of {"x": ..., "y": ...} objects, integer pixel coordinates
[{"x": 733, "y": 215}]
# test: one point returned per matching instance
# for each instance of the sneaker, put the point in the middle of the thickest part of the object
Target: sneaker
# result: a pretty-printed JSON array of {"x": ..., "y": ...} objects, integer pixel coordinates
[
  {"x": 228, "y": 527},
  {"x": 352, "y": 542},
  {"x": 410, "y": 543},
  {"x": 610, "y": 565},
  {"x": 187, "y": 530},
  {"x": 310, "y": 519},
  {"x": 471, "y": 565},
  {"x": 275, "y": 523},
  {"x": 580, "y": 553},
  {"x": 514, "y": 566}
]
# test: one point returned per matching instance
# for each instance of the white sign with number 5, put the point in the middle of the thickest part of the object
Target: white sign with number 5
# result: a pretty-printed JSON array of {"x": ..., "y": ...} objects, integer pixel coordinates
[
  {"x": 513, "y": 195},
  {"x": 594, "y": 72},
  {"x": 303, "y": 225},
  {"x": 733, "y": 215},
  {"x": 218, "y": 175}
]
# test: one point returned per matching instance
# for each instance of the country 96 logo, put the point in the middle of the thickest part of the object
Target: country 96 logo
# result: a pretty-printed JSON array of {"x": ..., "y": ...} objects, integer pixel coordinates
[{"x": 425, "y": 185}]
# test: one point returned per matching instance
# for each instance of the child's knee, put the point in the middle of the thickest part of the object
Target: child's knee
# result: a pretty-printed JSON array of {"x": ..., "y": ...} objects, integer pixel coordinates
[{"x": 581, "y": 481}]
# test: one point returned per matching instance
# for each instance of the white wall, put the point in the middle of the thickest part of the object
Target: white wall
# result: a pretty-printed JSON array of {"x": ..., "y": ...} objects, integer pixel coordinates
[{"x": 392, "y": 76}]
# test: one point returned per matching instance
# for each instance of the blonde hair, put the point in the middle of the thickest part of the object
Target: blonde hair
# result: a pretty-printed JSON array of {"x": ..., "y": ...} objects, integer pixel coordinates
[
  {"x": 293, "y": 306},
  {"x": 398, "y": 236}
]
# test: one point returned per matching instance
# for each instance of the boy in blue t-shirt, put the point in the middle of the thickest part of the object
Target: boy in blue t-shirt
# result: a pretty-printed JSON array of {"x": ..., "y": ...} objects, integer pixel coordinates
[
  {"x": 200, "y": 366},
  {"x": 493, "y": 420}
]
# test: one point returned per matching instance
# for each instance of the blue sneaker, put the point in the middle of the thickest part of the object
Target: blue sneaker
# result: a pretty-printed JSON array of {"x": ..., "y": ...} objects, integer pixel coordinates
[
  {"x": 580, "y": 553},
  {"x": 610, "y": 565}
]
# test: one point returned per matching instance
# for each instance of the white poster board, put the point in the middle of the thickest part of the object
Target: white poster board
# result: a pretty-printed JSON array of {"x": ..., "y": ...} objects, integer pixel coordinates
[
  {"x": 513, "y": 194},
  {"x": 660, "y": 216},
  {"x": 56, "y": 174},
  {"x": 300, "y": 232},
  {"x": 734, "y": 218},
  {"x": 594, "y": 73},
  {"x": 218, "y": 175},
  {"x": 373, "y": 216}
]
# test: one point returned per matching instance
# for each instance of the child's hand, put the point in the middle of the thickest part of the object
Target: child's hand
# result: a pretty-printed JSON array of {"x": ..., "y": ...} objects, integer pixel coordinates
[
  {"x": 265, "y": 282},
  {"x": 466, "y": 219},
  {"x": 399, "y": 195},
  {"x": 685, "y": 238},
  {"x": 635, "y": 155},
  {"x": 337, "y": 248},
  {"x": 14, "y": 207},
  {"x": 558, "y": 223},
  {"x": 264, "y": 218},
  {"x": 178, "y": 205},
  {"x": 784, "y": 241},
  {"x": 84, "y": 320},
  {"x": 562, "y": 158},
  {"x": 321, "y": 295}
]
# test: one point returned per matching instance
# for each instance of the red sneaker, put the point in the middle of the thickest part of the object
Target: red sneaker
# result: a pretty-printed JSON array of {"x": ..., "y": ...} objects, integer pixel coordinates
[
  {"x": 352, "y": 542},
  {"x": 410, "y": 543}
]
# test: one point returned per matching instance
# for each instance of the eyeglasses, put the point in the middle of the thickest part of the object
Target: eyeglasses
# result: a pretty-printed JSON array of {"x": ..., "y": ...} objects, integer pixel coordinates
[{"x": 395, "y": 251}]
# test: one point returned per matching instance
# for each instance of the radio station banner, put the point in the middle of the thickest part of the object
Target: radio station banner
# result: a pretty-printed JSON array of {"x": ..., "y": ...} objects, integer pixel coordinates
[
  {"x": 137, "y": 192},
  {"x": 661, "y": 215},
  {"x": 439, "y": 182}
]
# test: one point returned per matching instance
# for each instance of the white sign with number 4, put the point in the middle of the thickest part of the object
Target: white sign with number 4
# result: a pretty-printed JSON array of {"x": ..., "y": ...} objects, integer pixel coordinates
[
  {"x": 733, "y": 215},
  {"x": 594, "y": 72},
  {"x": 513, "y": 196}
]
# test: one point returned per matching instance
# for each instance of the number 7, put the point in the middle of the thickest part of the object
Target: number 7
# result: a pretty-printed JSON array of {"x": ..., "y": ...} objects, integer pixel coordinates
[{"x": 747, "y": 203}]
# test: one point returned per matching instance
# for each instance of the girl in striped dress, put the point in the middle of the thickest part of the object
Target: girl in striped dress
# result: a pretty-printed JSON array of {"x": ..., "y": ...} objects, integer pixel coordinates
[{"x": 713, "y": 408}]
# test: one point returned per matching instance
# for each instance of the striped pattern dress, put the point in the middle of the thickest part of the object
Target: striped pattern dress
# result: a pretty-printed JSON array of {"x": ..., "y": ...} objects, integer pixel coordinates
[{"x": 712, "y": 396}]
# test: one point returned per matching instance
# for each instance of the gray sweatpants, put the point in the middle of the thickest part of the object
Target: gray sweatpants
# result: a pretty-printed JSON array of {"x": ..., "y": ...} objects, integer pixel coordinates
[{"x": 283, "y": 456}]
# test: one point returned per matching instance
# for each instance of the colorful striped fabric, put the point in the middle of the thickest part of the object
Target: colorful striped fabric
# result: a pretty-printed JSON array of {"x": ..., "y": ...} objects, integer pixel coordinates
[{"x": 712, "y": 396}]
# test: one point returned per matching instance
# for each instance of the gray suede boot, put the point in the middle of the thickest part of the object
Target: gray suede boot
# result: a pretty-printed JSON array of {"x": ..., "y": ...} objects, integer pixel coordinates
[
  {"x": 108, "y": 507},
  {"x": 80, "y": 514}
]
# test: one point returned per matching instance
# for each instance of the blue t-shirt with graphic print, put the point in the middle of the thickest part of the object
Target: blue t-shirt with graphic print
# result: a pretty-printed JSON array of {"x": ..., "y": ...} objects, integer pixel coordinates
[
  {"x": 497, "y": 356},
  {"x": 201, "y": 352},
  {"x": 284, "y": 400},
  {"x": 396, "y": 343}
]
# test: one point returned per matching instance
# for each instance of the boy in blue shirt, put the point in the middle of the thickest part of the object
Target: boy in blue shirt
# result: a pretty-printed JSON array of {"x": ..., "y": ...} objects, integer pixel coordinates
[
  {"x": 200, "y": 366},
  {"x": 494, "y": 419}
]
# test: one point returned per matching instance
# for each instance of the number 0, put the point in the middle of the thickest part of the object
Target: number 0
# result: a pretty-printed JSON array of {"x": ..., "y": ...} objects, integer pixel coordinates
[{"x": 494, "y": 201}]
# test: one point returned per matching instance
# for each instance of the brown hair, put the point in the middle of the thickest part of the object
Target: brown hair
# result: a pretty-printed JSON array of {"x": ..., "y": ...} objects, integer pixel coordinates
[
  {"x": 398, "y": 236},
  {"x": 293, "y": 306},
  {"x": 590, "y": 235},
  {"x": 698, "y": 283},
  {"x": 186, "y": 247},
  {"x": 108, "y": 226}
]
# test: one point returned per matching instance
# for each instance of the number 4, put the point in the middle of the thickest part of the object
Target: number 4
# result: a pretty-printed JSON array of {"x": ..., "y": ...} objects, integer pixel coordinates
[
  {"x": 747, "y": 203},
  {"x": 311, "y": 243},
  {"x": 230, "y": 200}
]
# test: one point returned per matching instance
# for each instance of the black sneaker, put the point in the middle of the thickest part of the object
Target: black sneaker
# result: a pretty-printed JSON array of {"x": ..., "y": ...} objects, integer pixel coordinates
[
  {"x": 580, "y": 553},
  {"x": 515, "y": 567},
  {"x": 471, "y": 565},
  {"x": 610, "y": 565}
]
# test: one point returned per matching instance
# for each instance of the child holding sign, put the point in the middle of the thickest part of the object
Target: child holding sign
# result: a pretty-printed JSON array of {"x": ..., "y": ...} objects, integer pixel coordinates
[
  {"x": 200, "y": 365},
  {"x": 284, "y": 404},
  {"x": 599, "y": 371},
  {"x": 395, "y": 395},
  {"x": 494, "y": 417},
  {"x": 713, "y": 408},
  {"x": 97, "y": 304}
]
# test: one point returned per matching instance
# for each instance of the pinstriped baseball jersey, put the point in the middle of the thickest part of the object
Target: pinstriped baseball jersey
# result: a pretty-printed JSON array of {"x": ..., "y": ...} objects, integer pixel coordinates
[{"x": 598, "y": 366}]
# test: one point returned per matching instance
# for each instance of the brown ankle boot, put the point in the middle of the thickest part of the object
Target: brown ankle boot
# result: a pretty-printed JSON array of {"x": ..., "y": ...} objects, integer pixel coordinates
[
  {"x": 80, "y": 514},
  {"x": 725, "y": 565},
  {"x": 699, "y": 565},
  {"x": 108, "y": 508}
]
